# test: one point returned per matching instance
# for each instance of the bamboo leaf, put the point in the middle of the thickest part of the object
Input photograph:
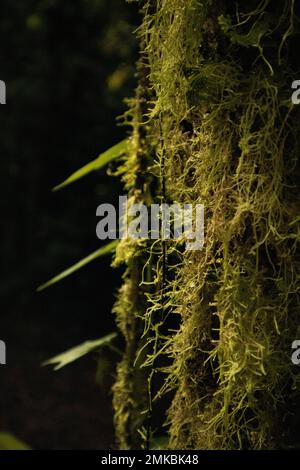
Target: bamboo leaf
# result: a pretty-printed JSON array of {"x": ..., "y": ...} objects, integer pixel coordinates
[
  {"x": 96, "y": 254},
  {"x": 103, "y": 159},
  {"x": 10, "y": 442},
  {"x": 73, "y": 354}
]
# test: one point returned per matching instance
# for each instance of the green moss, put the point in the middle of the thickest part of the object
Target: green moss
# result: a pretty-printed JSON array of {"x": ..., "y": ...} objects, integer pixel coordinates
[{"x": 215, "y": 126}]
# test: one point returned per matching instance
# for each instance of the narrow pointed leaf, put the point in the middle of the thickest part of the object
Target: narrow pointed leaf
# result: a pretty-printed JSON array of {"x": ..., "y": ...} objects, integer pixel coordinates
[
  {"x": 103, "y": 159},
  {"x": 10, "y": 442},
  {"x": 73, "y": 354},
  {"x": 96, "y": 254}
]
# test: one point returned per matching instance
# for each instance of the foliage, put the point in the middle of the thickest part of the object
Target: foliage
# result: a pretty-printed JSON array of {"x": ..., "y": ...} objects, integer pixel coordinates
[
  {"x": 104, "y": 158},
  {"x": 104, "y": 250},
  {"x": 212, "y": 123},
  {"x": 10, "y": 442},
  {"x": 77, "y": 352}
]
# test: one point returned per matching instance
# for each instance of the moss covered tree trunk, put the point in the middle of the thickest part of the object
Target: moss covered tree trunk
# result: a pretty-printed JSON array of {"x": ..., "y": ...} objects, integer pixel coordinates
[{"x": 209, "y": 332}]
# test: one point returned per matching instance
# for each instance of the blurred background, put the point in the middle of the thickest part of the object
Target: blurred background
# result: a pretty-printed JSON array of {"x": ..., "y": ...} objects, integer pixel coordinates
[{"x": 68, "y": 65}]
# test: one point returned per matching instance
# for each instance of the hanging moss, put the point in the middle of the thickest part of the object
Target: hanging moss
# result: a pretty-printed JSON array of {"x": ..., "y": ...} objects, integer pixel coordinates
[{"x": 213, "y": 123}]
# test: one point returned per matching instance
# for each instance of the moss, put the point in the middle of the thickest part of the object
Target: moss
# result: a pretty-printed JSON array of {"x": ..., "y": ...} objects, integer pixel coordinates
[{"x": 216, "y": 126}]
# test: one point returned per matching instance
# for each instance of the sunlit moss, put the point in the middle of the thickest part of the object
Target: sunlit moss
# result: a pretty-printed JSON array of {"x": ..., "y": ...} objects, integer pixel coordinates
[{"x": 218, "y": 128}]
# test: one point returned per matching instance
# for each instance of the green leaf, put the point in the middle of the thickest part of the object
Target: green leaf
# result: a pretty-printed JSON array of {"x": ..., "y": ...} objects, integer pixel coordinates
[
  {"x": 103, "y": 159},
  {"x": 73, "y": 354},
  {"x": 10, "y": 442},
  {"x": 104, "y": 250}
]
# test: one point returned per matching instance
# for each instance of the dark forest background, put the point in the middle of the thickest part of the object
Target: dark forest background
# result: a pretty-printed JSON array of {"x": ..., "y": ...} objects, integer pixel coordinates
[{"x": 68, "y": 65}]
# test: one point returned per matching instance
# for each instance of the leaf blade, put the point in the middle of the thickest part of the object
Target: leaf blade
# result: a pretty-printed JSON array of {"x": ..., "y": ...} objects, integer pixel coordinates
[
  {"x": 10, "y": 442},
  {"x": 104, "y": 250},
  {"x": 73, "y": 354},
  {"x": 103, "y": 159}
]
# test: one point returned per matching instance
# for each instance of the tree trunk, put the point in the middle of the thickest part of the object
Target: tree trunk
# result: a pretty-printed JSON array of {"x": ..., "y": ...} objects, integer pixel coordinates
[{"x": 216, "y": 126}]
